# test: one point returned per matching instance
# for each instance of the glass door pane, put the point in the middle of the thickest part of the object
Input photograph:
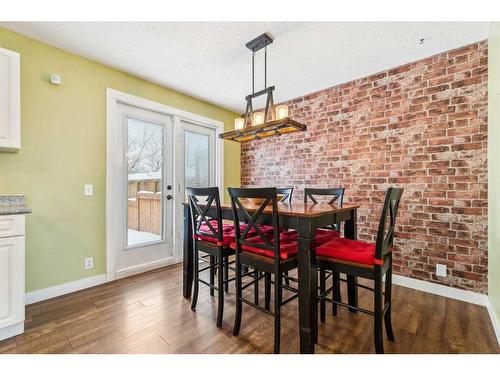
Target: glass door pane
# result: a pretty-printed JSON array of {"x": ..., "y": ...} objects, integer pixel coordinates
[
  {"x": 145, "y": 180},
  {"x": 197, "y": 159}
]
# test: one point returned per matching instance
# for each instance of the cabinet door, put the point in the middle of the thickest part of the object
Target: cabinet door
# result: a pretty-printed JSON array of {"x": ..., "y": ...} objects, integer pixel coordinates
[
  {"x": 11, "y": 280},
  {"x": 11, "y": 225},
  {"x": 10, "y": 125}
]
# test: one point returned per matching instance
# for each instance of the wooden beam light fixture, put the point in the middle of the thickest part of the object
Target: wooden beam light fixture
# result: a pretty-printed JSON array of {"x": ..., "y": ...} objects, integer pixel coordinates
[{"x": 274, "y": 120}]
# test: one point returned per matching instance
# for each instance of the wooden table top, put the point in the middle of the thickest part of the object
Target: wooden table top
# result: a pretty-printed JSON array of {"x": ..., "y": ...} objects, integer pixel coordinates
[{"x": 296, "y": 209}]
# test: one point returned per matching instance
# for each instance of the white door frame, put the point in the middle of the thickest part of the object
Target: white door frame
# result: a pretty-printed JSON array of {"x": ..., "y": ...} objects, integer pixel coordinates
[{"x": 114, "y": 153}]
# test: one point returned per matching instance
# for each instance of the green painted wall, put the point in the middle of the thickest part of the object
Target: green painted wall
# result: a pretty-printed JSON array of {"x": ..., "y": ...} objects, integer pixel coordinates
[
  {"x": 63, "y": 147},
  {"x": 494, "y": 167}
]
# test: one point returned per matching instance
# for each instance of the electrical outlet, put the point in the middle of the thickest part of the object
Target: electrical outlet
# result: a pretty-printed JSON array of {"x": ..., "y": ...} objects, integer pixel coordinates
[
  {"x": 88, "y": 190},
  {"x": 89, "y": 263},
  {"x": 441, "y": 270}
]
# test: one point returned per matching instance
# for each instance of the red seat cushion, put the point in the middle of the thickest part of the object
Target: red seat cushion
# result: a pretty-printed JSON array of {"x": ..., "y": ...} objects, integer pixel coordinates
[
  {"x": 268, "y": 230},
  {"x": 228, "y": 233},
  {"x": 288, "y": 247},
  {"x": 289, "y": 235},
  {"x": 349, "y": 250},
  {"x": 326, "y": 235},
  {"x": 322, "y": 235}
]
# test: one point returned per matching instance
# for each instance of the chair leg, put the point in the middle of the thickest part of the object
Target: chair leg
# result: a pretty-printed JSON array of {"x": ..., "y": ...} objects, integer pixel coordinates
[
  {"x": 226, "y": 274},
  {"x": 212, "y": 274},
  {"x": 220, "y": 286},
  {"x": 256, "y": 275},
  {"x": 336, "y": 294},
  {"x": 352, "y": 292},
  {"x": 378, "y": 317},
  {"x": 237, "y": 314},
  {"x": 267, "y": 290},
  {"x": 194, "y": 298},
  {"x": 277, "y": 312},
  {"x": 387, "y": 299},
  {"x": 322, "y": 290},
  {"x": 287, "y": 282}
]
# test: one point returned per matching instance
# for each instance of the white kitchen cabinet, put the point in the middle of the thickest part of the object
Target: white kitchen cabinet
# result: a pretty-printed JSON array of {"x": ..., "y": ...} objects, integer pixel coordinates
[
  {"x": 11, "y": 275},
  {"x": 10, "y": 101}
]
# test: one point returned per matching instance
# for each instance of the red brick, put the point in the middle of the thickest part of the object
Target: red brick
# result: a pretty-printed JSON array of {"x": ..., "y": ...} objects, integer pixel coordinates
[{"x": 414, "y": 126}]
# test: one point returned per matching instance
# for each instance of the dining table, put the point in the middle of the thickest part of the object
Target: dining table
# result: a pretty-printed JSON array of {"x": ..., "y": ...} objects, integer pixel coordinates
[{"x": 305, "y": 218}]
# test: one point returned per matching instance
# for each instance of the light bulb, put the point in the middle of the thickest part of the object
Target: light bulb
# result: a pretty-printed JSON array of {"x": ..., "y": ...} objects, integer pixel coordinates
[
  {"x": 258, "y": 118},
  {"x": 239, "y": 123},
  {"x": 281, "y": 111}
]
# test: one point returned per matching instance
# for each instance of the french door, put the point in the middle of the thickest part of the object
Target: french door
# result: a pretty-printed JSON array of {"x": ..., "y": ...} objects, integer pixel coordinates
[
  {"x": 153, "y": 153},
  {"x": 196, "y": 162},
  {"x": 146, "y": 194}
]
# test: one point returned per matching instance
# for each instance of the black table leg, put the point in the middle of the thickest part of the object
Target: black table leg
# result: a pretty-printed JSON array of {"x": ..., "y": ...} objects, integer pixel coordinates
[
  {"x": 308, "y": 286},
  {"x": 187, "y": 266},
  {"x": 351, "y": 232}
]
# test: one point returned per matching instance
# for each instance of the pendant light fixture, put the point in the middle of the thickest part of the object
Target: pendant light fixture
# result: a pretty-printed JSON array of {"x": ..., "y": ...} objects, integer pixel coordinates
[{"x": 272, "y": 120}]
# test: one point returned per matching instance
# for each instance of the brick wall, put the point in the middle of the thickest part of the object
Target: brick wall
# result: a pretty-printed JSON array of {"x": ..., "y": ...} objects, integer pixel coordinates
[{"x": 422, "y": 126}]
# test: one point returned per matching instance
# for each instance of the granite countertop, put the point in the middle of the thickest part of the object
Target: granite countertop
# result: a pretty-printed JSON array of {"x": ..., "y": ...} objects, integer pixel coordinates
[{"x": 13, "y": 205}]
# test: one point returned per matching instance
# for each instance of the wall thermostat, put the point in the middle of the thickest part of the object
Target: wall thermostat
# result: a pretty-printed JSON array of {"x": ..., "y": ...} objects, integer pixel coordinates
[{"x": 55, "y": 79}]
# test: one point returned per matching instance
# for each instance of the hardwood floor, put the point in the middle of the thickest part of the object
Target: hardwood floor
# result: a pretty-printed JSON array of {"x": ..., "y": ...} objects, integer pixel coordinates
[{"x": 147, "y": 314}]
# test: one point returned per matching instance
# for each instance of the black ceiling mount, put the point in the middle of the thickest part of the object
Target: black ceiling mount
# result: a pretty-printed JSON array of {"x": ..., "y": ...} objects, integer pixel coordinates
[{"x": 260, "y": 42}]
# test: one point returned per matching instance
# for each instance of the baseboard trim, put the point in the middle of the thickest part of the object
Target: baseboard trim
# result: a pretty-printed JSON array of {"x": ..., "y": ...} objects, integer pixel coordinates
[
  {"x": 441, "y": 290},
  {"x": 134, "y": 270},
  {"x": 11, "y": 331},
  {"x": 425, "y": 286},
  {"x": 61, "y": 289},
  {"x": 494, "y": 321},
  {"x": 88, "y": 282}
]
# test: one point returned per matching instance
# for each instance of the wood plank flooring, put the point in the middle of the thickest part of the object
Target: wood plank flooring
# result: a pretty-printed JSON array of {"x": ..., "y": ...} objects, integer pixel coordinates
[{"x": 147, "y": 314}]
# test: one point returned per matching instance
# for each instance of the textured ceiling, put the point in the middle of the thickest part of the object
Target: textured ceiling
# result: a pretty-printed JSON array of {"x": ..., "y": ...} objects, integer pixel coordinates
[{"x": 209, "y": 60}]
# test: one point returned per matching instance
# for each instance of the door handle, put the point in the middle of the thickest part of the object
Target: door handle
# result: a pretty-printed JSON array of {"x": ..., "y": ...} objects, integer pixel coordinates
[{"x": 169, "y": 197}]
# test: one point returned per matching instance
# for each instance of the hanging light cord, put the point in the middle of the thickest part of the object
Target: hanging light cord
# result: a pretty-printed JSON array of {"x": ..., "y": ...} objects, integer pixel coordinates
[
  {"x": 265, "y": 67},
  {"x": 253, "y": 72}
]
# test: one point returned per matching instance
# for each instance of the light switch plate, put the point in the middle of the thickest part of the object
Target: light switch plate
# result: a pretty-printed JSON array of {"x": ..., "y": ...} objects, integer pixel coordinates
[
  {"x": 441, "y": 270},
  {"x": 88, "y": 190}
]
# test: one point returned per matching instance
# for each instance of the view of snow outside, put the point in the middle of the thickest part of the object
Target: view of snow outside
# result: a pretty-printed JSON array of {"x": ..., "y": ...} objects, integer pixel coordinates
[
  {"x": 144, "y": 161},
  {"x": 135, "y": 237}
]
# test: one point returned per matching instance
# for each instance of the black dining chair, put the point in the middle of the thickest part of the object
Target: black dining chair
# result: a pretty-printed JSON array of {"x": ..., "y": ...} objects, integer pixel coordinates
[
  {"x": 370, "y": 261},
  {"x": 270, "y": 254},
  {"x": 212, "y": 237},
  {"x": 286, "y": 197},
  {"x": 334, "y": 196},
  {"x": 286, "y": 194}
]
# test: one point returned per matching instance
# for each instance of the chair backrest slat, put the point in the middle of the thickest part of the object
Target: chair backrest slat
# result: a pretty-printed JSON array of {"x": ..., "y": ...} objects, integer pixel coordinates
[
  {"x": 252, "y": 221},
  {"x": 240, "y": 213},
  {"x": 385, "y": 233},
  {"x": 337, "y": 194},
  {"x": 286, "y": 194},
  {"x": 199, "y": 211}
]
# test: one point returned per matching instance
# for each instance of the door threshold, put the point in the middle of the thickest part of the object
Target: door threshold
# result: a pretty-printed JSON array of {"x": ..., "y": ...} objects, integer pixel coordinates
[{"x": 145, "y": 267}]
